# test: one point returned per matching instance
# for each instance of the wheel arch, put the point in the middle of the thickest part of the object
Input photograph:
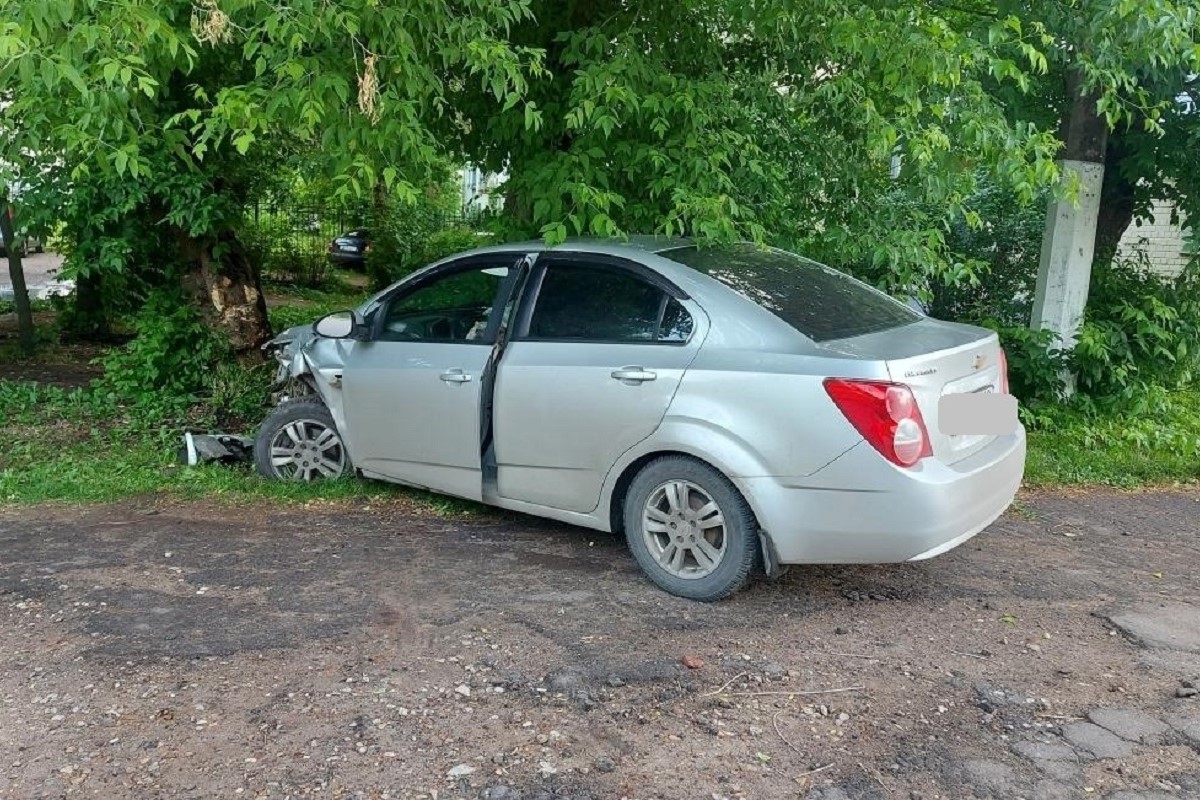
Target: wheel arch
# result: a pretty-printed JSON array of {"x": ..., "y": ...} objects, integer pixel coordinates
[
  {"x": 705, "y": 442},
  {"x": 620, "y": 485}
]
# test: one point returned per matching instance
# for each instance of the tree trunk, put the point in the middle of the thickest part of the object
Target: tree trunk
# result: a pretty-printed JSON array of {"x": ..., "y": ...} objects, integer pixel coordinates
[
  {"x": 88, "y": 319},
  {"x": 17, "y": 273},
  {"x": 1116, "y": 203},
  {"x": 1084, "y": 132},
  {"x": 383, "y": 244},
  {"x": 226, "y": 286}
]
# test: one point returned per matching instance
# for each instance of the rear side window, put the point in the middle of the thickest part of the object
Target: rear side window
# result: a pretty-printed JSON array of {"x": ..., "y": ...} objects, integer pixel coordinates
[
  {"x": 598, "y": 303},
  {"x": 816, "y": 300}
]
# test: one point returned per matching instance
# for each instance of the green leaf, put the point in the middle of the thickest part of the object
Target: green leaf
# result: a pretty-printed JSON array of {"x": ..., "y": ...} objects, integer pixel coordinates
[{"x": 243, "y": 141}]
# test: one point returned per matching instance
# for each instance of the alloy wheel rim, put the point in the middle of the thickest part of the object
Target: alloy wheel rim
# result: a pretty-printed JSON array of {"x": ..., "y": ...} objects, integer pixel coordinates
[
  {"x": 684, "y": 530},
  {"x": 307, "y": 450}
]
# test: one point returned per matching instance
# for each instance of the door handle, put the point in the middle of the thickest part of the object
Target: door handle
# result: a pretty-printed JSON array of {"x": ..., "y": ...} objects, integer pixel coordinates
[
  {"x": 633, "y": 374},
  {"x": 455, "y": 376}
]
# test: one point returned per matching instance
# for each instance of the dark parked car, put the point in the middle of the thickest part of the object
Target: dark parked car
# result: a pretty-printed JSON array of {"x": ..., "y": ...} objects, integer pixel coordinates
[{"x": 350, "y": 249}]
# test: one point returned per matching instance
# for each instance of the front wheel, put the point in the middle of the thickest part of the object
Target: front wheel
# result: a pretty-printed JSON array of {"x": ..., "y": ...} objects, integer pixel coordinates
[
  {"x": 690, "y": 529},
  {"x": 299, "y": 441}
]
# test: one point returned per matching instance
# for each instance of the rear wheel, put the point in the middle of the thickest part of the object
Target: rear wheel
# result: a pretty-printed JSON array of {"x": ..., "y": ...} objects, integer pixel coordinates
[
  {"x": 690, "y": 529},
  {"x": 299, "y": 441}
]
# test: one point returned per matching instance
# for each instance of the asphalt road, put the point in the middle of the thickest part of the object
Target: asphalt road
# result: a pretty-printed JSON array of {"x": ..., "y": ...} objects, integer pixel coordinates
[
  {"x": 41, "y": 275},
  {"x": 200, "y": 650}
]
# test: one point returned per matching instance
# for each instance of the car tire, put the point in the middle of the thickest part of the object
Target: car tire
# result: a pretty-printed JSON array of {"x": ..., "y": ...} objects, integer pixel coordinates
[
  {"x": 300, "y": 441},
  {"x": 673, "y": 503}
]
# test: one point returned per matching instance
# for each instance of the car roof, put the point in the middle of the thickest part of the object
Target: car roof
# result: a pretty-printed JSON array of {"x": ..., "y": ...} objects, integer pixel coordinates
[
  {"x": 718, "y": 300},
  {"x": 590, "y": 244}
]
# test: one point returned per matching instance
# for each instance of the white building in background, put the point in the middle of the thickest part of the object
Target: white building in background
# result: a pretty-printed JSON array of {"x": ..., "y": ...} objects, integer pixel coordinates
[
  {"x": 480, "y": 190},
  {"x": 1168, "y": 247}
]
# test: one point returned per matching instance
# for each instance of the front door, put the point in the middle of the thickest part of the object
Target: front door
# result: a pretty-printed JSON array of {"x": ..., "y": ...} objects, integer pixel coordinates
[
  {"x": 412, "y": 394},
  {"x": 589, "y": 373}
]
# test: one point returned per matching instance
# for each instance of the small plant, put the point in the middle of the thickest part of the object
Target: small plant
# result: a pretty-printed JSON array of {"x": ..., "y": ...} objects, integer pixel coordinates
[
  {"x": 1035, "y": 366},
  {"x": 1140, "y": 329},
  {"x": 170, "y": 357},
  {"x": 238, "y": 393}
]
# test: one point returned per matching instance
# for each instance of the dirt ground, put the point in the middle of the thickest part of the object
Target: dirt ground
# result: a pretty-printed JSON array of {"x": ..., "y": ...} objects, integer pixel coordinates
[{"x": 194, "y": 650}]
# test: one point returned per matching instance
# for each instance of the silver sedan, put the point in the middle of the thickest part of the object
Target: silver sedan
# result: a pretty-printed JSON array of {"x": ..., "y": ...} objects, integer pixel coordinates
[{"x": 730, "y": 410}]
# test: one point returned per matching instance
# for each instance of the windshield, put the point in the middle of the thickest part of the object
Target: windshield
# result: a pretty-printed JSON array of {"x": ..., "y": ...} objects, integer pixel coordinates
[{"x": 816, "y": 300}]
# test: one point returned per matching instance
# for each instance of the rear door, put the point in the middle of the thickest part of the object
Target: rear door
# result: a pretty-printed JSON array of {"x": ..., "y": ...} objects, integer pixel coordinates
[{"x": 599, "y": 349}]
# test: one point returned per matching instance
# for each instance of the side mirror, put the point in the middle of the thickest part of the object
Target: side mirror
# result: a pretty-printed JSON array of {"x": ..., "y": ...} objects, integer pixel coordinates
[{"x": 340, "y": 325}]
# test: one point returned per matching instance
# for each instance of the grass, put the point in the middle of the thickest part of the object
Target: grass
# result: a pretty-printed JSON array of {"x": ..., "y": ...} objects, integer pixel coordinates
[
  {"x": 75, "y": 446},
  {"x": 298, "y": 306},
  {"x": 78, "y": 446},
  {"x": 85, "y": 445},
  {"x": 1157, "y": 444}
]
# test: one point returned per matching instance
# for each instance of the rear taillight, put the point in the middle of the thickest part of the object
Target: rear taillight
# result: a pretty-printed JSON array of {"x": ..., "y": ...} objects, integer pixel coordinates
[
  {"x": 1003, "y": 372},
  {"x": 887, "y": 416}
]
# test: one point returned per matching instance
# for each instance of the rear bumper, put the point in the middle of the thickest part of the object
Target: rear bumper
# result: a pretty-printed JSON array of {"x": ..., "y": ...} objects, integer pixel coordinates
[
  {"x": 343, "y": 259},
  {"x": 861, "y": 509}
]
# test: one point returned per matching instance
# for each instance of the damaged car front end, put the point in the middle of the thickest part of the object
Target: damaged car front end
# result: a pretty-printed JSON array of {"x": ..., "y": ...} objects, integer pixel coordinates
[{"x": 302, "y": 439}]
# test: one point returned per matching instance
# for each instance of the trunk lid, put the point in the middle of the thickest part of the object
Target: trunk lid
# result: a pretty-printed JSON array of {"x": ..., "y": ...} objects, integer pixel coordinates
[{"x": 934, "y": 358}]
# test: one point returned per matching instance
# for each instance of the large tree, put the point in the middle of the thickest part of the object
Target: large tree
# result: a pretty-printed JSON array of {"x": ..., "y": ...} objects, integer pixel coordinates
[
  {"x": 776, "y": 121},
  {"x": 1120, "y": 88},
  {"x": 856, "y": 130},
  {"x": 161, "y": 116}
]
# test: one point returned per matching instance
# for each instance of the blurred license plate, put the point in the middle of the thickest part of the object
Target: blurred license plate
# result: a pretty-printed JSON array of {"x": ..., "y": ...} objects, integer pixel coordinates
[{"x": 979, "y": 412}]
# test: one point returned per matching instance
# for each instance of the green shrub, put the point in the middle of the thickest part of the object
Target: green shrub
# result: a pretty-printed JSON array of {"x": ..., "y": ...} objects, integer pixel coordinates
[
  {"x": 1139, "y": 329},
  {"x": 398, "y": 238},
  {"x": 447, "y": 242},
  {"x": 170, "y": 357},
  {"x": 1035, "y": 366},
  {"x": 408, "y": 236},
  {"x": 1005, "y": 250}
]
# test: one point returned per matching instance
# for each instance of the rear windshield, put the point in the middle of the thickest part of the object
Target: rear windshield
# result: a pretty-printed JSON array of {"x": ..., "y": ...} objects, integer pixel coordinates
[{"x": 816, "y": 300}]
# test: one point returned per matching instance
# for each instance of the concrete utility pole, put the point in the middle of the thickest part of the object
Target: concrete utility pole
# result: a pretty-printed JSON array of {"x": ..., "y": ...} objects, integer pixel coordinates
[{"x": 1069, "y": 243}]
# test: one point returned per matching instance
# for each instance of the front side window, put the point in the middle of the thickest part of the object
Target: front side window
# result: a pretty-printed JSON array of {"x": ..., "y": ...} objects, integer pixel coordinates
[
  {"x": 583, "y": 302},
  {"x": 452, "y": 308}
]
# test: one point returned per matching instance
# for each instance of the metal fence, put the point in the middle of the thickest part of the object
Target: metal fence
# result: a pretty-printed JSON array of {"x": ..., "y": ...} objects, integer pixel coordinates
[{"x": 290, "y": 240}]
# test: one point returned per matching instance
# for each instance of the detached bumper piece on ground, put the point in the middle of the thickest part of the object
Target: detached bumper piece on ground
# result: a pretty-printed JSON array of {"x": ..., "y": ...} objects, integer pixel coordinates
[{"x": 224, "y": 448}]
